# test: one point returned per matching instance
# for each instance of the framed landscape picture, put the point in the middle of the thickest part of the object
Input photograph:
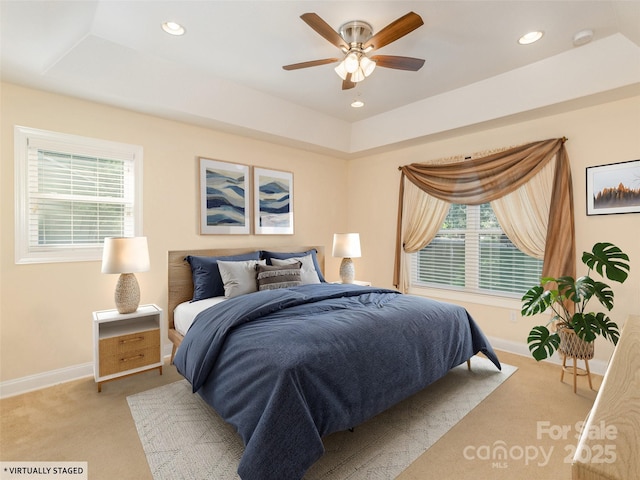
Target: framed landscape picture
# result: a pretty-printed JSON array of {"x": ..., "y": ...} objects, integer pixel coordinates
[
  {"x": 613, "y": 188},
  {"x": 224, "y": 198},
  {"x": 273, "y": 202}
]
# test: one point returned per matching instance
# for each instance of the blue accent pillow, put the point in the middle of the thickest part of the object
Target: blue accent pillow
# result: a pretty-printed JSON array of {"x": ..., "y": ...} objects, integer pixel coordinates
[
  {"x": 268, "y": 255},
  {"x": 207, "y": 282}
]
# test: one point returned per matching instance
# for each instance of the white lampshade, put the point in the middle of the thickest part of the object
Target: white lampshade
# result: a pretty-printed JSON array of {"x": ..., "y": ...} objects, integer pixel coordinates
[
  {"x": 341, "y": 70},
  {"x": 352, "y": 62},
  {"x": 357, "y": 76},
  {"x": 346, "y": 245},
  {"x": 126, "y": 256},
  {"x": 367, "y": 65}
]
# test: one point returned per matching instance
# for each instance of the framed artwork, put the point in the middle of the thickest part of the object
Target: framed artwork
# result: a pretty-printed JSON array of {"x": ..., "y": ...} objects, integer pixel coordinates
[
  {"x": 224, "y": 198},
  {"x": 613, "y": 188},
  {"x": 273, "y": 202}
]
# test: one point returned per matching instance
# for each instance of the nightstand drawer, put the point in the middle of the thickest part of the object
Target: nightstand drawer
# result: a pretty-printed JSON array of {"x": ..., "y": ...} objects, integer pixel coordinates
[
  {"x": 110, "y": 364},
  {"x": 129, "y": 343},
  {"x": 126, "y": 352}
]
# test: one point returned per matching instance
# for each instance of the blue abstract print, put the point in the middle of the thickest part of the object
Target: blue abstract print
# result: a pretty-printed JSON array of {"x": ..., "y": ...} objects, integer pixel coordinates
[
  {"x": 275, "y": 202},
  {"x": 225, "y": 198}
]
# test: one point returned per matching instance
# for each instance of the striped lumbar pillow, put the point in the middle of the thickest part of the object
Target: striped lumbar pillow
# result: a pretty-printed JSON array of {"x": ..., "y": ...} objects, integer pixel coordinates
[{"x": 271, "y": 277}]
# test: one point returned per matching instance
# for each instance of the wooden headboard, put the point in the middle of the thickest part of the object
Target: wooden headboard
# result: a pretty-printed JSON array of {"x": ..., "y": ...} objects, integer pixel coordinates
[{"x": 180, "y": 280}]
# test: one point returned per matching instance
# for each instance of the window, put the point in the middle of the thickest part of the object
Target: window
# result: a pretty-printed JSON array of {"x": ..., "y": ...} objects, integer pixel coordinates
[
  {"x": 71, "y": 193},
  {"x": 472, "y": 253}
]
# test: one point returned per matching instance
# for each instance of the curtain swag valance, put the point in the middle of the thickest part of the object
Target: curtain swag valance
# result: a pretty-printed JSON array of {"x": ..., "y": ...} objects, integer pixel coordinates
[{"x": 485, "y": 179}]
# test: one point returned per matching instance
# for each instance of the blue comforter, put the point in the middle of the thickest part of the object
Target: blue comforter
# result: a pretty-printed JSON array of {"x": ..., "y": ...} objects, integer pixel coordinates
[{"x": 288, "y": 366}]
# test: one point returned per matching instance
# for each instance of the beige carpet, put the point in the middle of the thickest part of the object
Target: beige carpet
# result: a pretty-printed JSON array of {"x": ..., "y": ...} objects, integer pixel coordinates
[
  {"x": 183, "y": 438},
  {"x": 72, "y": 421}
]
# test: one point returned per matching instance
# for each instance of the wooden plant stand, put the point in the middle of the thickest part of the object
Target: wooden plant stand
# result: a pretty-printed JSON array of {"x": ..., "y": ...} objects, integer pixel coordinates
[{"x": 574, "y": 347}]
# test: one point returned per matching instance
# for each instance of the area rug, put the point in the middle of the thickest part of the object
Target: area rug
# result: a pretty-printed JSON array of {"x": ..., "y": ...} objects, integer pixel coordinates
[{"x": 183, "y": 438}]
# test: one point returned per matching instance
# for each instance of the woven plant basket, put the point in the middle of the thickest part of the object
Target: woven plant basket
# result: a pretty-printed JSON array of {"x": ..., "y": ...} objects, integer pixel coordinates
[{"x": 573, "y": 346}]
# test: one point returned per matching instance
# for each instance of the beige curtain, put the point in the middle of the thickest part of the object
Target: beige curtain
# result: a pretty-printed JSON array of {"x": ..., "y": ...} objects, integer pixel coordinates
[
  {"x": 422, "y": 217},
  {"x": 421, "y": 220},
  {"x": 491, "y": 177},
  {"x": 524, "y": 213}
]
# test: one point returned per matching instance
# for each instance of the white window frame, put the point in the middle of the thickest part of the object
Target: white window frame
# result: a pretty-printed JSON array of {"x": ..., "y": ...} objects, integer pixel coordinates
[{"x": 71, "y": 144}]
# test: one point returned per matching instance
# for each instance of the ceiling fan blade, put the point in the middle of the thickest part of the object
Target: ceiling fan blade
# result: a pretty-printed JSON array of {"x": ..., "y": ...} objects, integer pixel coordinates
[
  {"x": 324, "y": 29},
  {"x": 394, "y": 31},
  {"x": 347, "y": 84},
  {"x": 399, "y": 63},
  {"x": 312, "y": 63}
]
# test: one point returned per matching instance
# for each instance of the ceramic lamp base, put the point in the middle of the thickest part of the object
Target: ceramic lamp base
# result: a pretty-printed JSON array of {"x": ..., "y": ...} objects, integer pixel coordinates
[
  {"x": 127, "y": 294},
  {"x": 347, "y": 271}
]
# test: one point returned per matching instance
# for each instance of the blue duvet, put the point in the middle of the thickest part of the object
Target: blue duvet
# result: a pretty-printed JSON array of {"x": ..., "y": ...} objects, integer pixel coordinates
[{"x": 286, "y": 367}]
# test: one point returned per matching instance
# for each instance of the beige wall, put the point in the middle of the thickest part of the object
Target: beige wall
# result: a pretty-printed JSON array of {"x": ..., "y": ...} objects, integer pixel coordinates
[
  {"x": 597, "y": 135},
  {"x": 45, "y": 309}
]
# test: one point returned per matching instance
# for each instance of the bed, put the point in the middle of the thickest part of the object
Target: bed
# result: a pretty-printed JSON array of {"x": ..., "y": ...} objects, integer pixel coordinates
[{"x": 287, "y": 366}]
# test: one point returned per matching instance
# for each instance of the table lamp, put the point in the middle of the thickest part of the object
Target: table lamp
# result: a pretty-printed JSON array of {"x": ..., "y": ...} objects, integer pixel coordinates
[
  {"x": 347, "y": 246},
  {"x": 126, "y": 256}
]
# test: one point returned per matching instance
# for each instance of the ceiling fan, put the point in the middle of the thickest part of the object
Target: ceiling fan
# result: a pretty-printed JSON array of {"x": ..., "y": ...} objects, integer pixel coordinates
[{"x": 356, "y": 40}]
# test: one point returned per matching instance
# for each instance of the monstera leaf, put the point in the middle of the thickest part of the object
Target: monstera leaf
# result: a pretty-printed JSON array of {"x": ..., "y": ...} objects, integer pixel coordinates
[
  {"x": 604, "y": 294},
  {"x": 536, "y": 300},
  {"x": 608, "y": 260},
  {"x": 542, "y": 343},
  {"x": 585, "y": 326},
  {"x": 581, "y": 291},
  {"x": 608, "y": 328}
]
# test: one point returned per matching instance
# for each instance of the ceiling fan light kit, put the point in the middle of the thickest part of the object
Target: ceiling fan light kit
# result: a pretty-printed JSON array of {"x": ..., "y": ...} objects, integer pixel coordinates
[{"x": 356, "y": 40}]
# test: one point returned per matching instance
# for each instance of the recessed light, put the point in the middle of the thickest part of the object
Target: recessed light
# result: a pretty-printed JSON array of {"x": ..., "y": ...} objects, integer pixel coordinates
[
  {"x": 357, "y": 103},
  {"x": 173, "y": 28},
  {"x": 530, "y": 37}
]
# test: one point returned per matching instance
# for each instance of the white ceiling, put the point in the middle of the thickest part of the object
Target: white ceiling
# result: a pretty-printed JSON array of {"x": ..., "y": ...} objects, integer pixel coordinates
[{"x": 227, "y": 71}]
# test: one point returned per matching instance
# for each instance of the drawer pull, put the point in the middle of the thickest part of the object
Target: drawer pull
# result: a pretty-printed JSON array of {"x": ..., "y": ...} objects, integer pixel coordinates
[
  {"x": 129, "y": 340},
  {"x": 128, "y": 359}
]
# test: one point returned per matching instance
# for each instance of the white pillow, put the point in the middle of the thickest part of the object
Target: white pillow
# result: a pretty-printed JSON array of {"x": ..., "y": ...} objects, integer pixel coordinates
[
  {"x": 308, "y": 272},
  {"x": 239, "y": 278}
]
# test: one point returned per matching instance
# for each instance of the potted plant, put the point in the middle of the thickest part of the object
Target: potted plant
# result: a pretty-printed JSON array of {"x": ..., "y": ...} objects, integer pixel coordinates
[{"x": 568, "y": 298}]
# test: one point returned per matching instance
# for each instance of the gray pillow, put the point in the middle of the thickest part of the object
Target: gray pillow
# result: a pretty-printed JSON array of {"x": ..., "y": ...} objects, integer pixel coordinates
[
  {"x": 308, "y": 272},
  {"x": 239, "y": 278}
]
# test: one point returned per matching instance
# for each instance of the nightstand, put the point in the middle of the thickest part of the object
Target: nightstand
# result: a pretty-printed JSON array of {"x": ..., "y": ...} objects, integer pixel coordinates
[
  {"x": 358, "y": 282},
  {"x": 126, "y": 344}
]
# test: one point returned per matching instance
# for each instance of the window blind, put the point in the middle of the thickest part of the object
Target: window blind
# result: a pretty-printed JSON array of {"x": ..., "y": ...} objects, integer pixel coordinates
[
  {"x": 78, "y": 200},
  {"x": 472, "y": 253}
]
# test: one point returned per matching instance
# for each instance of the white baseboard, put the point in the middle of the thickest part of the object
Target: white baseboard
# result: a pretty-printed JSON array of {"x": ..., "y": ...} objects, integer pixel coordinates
[
  {"x": 22, "y": 385},
  {"x": 11, "y": 388},
  {"x": 596, "y": 366}
]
